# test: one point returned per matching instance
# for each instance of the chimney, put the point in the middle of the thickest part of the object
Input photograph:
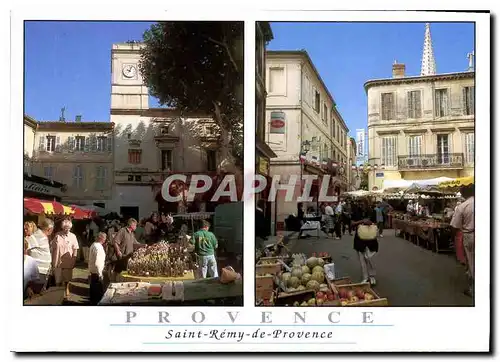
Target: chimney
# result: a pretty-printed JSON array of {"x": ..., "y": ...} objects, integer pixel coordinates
[
  {"x": 78, "y": 118},
  {"x": 398, "y": 70}
]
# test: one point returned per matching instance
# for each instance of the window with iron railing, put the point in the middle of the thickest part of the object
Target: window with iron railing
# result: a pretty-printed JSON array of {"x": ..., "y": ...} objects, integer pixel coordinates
[{"x": 469, "y": 147}]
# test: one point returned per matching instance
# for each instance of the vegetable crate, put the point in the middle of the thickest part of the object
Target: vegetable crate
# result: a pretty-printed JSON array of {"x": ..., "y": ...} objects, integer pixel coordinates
[
  {"x": 263, "y": 269},
  {"x": 295, "y": 299},
  {"x": 264, "y": 287},
  {"x": 358, "y": 295}
]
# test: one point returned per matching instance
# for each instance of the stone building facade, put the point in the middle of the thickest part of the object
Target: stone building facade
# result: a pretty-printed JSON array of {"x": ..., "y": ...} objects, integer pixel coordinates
[
  {"x": 420, "y": 127},
  {"x": 301, "y": 116}
]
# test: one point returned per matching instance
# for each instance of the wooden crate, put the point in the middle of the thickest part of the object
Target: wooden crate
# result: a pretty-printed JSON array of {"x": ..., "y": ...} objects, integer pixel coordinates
[
  {"x": 264, "y": 287},
  {"x": 287, "y": 299},
  {"x": 272, "y": 269},
  {"x": 377, "y": 301},
  {"x": 339, "y": 281},
  {"x": 273, "y": 259}
]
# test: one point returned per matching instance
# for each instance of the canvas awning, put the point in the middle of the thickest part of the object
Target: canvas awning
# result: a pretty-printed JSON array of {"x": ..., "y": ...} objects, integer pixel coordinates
[
  {"x": 404, "y": 184},
  {"x": 462, "y": 181},
  {"x": 36, "y": 206}
]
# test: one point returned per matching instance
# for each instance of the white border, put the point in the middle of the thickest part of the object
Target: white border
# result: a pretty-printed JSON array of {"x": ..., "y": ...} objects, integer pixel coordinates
[{"x": 415, "y": 329}]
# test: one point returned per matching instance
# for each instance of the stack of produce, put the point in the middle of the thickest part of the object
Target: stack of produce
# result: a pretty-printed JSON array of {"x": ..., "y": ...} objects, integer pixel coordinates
[
  {"x": 161, "y": 260},
  {"x": 308, "y": 276}
]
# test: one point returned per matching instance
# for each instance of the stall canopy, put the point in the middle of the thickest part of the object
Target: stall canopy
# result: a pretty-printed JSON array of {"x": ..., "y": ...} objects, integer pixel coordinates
[
  {"x": 462, "y": 181},
  {"x": 36, "y": 206},
  {"x": 358, "y": 193},
  {"x": 404, "y": 184}
]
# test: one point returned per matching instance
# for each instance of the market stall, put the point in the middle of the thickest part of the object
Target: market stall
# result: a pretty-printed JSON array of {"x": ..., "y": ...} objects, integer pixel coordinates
[
  {"x": 191, "y": 217},
  {"x": 53, "y": 208},
  {"x": 301, "y": 281},
  {"x": 168, "y": 273}
]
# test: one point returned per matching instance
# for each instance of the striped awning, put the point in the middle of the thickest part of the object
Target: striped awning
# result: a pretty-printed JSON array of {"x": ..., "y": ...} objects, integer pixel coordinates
[
  {"x": 36, "y": 206},
  {"x": 462, "y": 181}
]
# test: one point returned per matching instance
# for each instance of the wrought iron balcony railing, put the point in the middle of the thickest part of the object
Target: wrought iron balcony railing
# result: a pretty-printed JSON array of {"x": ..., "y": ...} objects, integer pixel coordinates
[{"x": 445, "y": 160}]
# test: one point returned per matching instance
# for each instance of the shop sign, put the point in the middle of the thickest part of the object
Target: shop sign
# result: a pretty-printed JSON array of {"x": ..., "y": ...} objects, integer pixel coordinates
[
  {"x": 278, "y": 122},
  {"x": 41, "y": 189},
  {"x": 379, "y": 174}
]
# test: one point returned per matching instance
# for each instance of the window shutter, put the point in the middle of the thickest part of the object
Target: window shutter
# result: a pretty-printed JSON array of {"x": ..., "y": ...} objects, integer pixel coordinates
[
  {"x": 445, "y": 102},
  {"x": 42, "y": 143},
  {"x": 465, "y": 101},
  {"x": 110, "y": 143},
  {"x": 471, "y": 100},
  {"x": 418, "y": 104},
  {"x": 105, "y": 177},
  {"x": 409, "y": 103},
  {"x": 93, "y": 143},
  {"x": 87, "y": 144},
  {"x": 71, "y": 143},
  {"x": 58, "y": 144}
]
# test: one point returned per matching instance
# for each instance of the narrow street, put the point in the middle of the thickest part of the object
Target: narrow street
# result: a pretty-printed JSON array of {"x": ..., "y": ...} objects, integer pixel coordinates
[{"x": 407, "y": 275}]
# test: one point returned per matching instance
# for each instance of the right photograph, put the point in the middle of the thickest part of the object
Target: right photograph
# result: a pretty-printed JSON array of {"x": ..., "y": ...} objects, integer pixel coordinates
[{"x": 365, "y": 161}]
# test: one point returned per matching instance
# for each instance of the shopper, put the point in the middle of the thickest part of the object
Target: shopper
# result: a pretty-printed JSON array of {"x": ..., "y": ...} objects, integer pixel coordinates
[
  {"x": 97, "y": 258},
  {"x": 31, "y": 276},
  {"x": 123, "y": 246},
  {"x": 338, "y": 221},
  {"x": 366, "y": 245},
  {"x": 329, "y": 220},
  {"x": 346, "y": 217},
  {"x": 261, "y": 229},
  {"x": 379, "y": 213},
  {"x": 64, "y": 250},
  {"x": 205, "y": 243},
  {"x": 463, "y": 220},
  {"x": 41, "y": 250}
]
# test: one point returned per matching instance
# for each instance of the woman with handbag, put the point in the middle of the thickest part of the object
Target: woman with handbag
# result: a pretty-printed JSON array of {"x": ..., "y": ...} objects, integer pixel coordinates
[{"x": 365, "y": 240}]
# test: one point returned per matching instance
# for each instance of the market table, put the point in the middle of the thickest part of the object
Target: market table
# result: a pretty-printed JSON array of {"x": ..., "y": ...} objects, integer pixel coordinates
[
  {"x": 312, "y": 223},
  {"x": 193, "y": 290},
  {"x": 435, "y": 236}
]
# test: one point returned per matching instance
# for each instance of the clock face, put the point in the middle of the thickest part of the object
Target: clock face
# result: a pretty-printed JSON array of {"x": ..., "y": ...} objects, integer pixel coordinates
[{"x": 129, "y": 71}]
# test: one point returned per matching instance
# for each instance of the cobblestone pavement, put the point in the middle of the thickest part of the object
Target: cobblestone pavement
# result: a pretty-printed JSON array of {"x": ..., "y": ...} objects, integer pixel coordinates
[{"x": 407, "y": 275}]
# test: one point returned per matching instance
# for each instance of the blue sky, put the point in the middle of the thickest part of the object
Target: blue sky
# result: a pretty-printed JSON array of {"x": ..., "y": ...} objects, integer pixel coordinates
[
  {"x": 67, "y": 64},
  {"x": 349, "y": 54}
]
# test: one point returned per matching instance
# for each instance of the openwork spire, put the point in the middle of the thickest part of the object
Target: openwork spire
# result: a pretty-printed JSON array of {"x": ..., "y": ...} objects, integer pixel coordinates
[{"x": 428, "y": 61}]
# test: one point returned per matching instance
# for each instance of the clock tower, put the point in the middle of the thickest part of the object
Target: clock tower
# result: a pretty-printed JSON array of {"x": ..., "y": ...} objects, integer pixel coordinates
[{"x": 128, "y": 91}]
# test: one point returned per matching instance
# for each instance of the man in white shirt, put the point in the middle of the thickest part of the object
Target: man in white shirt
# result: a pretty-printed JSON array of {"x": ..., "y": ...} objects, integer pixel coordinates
[
  {"x": 31, "y": 276},
  {"x": 40, "y": 251},
  {"x": 97, "y": 257}
]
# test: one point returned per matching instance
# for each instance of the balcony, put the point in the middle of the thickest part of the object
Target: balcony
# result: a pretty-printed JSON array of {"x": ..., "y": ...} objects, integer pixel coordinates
[{"x": 434, "y": 161}]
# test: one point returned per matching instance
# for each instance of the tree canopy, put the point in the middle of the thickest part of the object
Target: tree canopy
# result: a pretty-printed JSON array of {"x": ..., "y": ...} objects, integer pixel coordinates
[{"x": 198, "y": 67}]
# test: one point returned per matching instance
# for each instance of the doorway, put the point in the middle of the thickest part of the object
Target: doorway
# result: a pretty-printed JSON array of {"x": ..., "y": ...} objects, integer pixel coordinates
[{"x": 129, "y": 211}]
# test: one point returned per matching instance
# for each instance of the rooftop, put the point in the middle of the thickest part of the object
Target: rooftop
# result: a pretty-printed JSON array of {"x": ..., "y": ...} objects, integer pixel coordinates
[{"x": 418, "y": 78}]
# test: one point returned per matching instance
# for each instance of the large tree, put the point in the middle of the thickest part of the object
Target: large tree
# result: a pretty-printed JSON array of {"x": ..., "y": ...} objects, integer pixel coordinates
[{"x": 198, "y": 67}]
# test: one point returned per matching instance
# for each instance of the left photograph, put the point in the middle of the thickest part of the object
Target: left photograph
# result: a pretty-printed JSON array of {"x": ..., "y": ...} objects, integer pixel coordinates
[{"x": 133, "y": 163}]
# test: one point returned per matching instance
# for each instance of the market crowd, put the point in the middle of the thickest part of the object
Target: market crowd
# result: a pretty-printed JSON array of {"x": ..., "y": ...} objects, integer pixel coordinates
[
  {"x": 52, "y": 250},
  {"x": 366, "y": 220}
]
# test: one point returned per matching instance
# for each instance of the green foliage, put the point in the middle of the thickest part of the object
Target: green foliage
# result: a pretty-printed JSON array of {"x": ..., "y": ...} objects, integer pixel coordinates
[{"x": 198, "y": 67}]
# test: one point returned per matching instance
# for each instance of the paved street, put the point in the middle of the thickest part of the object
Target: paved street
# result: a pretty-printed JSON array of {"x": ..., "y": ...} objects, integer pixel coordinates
[{"x": 407, "y": 275}]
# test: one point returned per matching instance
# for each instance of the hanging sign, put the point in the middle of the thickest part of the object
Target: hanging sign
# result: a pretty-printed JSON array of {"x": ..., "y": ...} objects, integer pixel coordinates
[{"x": 278, "y": 122}]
